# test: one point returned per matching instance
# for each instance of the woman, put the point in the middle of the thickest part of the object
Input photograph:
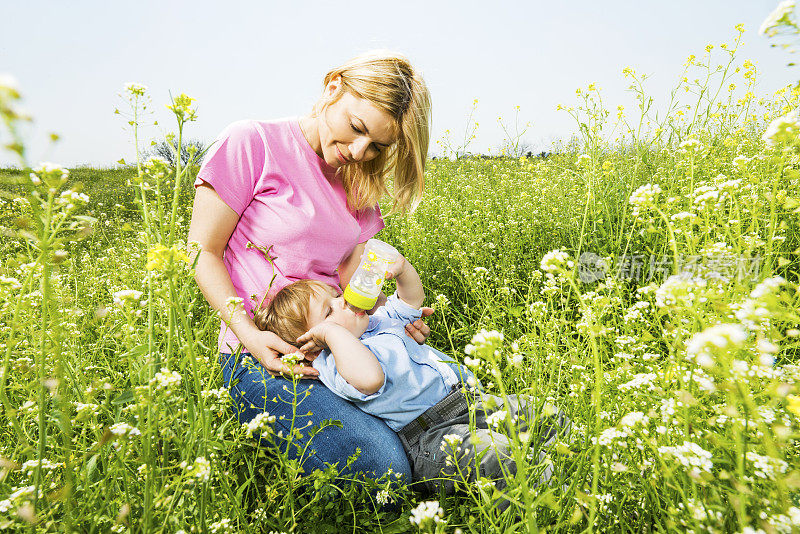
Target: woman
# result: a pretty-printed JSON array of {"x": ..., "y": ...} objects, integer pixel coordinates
[{"x": 283, "y": 200}]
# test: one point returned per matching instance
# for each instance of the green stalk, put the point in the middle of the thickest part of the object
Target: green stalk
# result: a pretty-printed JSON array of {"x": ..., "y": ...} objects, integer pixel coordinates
[
  {"x": 596, "y": 398},
  {"x": 21, "y": 436},
  {"x": 148, "y": 433},
  {"x": 672, "y": 243},
  {"x": 45, "y": 328}
]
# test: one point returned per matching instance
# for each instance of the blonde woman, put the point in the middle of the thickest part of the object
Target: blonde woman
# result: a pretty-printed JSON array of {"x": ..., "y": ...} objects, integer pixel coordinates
[{"x": 295, "y": 199}]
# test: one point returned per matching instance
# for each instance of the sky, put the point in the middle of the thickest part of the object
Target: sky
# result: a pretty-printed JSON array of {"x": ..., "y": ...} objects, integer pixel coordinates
[{"x": 266, "y": 59}]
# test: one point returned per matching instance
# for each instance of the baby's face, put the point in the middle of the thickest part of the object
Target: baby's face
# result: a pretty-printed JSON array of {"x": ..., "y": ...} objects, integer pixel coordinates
[{"x": 325, "y": 306}]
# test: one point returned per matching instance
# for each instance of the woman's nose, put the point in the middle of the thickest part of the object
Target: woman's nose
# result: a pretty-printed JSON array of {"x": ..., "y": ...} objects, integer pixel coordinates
[{"x": 358, "y": 148}]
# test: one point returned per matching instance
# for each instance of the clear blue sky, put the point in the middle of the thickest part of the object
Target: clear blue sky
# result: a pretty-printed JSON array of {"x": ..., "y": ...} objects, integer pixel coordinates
[{"x": 266, "y": 59}]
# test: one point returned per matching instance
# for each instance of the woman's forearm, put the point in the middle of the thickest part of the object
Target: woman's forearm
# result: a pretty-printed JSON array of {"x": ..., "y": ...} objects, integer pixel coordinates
[{"x": 215, "y": 283}]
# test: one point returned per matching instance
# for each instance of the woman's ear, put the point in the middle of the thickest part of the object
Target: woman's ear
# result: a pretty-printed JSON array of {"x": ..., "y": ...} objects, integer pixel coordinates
[{"x": 333, "y": 86}]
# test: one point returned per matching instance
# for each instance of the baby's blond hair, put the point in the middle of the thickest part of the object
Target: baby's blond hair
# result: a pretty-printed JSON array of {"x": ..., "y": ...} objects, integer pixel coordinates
[{"x": 286, "y": 314}]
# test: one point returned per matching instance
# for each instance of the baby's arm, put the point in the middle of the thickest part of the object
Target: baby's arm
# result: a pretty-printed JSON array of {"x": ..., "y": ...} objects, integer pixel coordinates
[
  {"x": 409, "y": 284},
  {"x": 354, "y": 362}
]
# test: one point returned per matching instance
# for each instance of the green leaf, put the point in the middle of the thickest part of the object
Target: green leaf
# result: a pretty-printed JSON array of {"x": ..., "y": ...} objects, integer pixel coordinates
[
  {"x": 124, "y": 398},
  {"x": 91, "y": 469}
]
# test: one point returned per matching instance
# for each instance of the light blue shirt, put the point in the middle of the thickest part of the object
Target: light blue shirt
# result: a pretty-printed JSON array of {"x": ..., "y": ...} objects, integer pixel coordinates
[{"x": 416, "y": 377}]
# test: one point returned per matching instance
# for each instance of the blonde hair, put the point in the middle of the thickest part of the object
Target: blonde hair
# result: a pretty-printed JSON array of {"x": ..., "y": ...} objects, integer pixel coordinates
[
  {"x": 388, "y": 81},
  {"x": 287, "y": 313}
]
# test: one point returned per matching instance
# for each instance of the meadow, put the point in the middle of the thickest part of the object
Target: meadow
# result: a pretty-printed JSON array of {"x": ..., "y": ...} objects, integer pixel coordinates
[{"x": 643, "y": 278}]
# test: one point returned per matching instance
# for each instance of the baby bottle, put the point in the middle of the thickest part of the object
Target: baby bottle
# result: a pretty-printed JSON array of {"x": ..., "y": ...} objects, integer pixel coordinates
[{"x": 365, "y": 285}]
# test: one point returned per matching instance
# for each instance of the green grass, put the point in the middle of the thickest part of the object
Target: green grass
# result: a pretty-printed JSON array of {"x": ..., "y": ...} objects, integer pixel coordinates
[{"x": 679, "y": 424}]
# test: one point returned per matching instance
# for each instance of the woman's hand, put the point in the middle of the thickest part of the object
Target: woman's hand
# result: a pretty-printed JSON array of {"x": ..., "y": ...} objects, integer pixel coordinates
[
  {"x": 418, "y": 330},
  {"x": 267, "y": 348}
]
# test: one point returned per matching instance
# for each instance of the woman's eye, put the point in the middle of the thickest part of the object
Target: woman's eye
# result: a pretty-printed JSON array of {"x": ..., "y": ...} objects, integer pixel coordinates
[
  {"x": 330, "y": 310},
  {"x": 354, "y": 128}
]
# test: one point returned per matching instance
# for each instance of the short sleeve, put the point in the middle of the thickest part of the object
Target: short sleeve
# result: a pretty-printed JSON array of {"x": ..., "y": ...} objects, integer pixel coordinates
[
  {"x": 329, "y": 375},
  {"x": 370, "y": 221},
  {"x": 234, "y": 164}
]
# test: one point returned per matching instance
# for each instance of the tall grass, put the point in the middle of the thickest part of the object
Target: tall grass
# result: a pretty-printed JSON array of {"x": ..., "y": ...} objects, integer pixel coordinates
[{"x": 644, "y": 280}]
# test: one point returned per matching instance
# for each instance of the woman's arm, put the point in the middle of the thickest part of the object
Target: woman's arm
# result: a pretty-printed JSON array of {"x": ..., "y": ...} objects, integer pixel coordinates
[
  {"x": 212, "y": 224},
  {"x": 349, "y": 265},
  {"x": 354, "y": 361}
]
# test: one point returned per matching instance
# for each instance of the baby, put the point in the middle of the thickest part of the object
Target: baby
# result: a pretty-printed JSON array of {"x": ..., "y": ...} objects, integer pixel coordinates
[{"x": 419, "y": 391}]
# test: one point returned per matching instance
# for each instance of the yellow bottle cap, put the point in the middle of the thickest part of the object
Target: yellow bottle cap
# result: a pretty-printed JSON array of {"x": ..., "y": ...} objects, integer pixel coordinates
[{"x": 358, "y": 300}]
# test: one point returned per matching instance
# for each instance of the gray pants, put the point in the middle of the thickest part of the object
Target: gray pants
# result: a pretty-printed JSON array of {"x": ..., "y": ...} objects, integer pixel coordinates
[{"x": 486, "y": 453}]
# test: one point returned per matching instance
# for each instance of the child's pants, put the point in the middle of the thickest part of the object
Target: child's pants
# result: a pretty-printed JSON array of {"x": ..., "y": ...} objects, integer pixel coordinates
[{"x": 434, "y": 467}]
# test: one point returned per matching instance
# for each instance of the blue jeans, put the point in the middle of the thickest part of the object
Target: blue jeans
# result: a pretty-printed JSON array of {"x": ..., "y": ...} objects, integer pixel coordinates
[{"x": 256, "y": 391}]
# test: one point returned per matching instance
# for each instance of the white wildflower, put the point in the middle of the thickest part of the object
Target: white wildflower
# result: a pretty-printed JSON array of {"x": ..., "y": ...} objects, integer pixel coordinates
[
  {"x": 691, "y": 456},
  {"x": 740, "y": 162},
  {"x": 259, "y": 424},
  {"x": 126, "y": 295},
  {"x": 690, "y": 145},
  {"x": 200, "y": 469},
  {"x": 721, "y": 337},
  {"x": 442, "y": 302},
  {"x": 450, "y": 442},
  {"x": 767, "y": 286},
  {"x": 427, "y": 513},
  {"x": 766, "y": 466},
  {"x": 642, "y": 380},
  {"x": 556, "y": 261},
  {"x": 292, "y": 358},
  {"x": 783, "y": 129},
  {"x": 31, "y": 465},
  {"x": 632, "y": 419},
  {"x": 166, "y": 380},
  {"x": 123, "y": 430},
  {"x": 680, "y": 290},
  {"x": 383, "y": 497},
  {"x": 10, "y": 282},
  {"x": 644, "y": 197},
  {"x": 494, "y": 419}
]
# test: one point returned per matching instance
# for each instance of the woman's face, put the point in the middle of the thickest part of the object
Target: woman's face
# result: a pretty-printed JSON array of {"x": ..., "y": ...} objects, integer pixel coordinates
[{"x": 352, "y": 129}]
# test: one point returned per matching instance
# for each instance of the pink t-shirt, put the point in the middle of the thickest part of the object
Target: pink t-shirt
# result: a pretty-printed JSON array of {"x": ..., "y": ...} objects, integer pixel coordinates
[{"x": 288, "y": 197}]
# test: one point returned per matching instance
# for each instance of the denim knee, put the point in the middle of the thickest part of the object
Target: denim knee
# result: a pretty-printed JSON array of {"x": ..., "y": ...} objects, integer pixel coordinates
[{"x": 255, "y": 391}]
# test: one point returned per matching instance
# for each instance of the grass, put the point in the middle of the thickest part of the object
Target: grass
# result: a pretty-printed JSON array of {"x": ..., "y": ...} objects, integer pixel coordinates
[{"x": 679, "y": 372}]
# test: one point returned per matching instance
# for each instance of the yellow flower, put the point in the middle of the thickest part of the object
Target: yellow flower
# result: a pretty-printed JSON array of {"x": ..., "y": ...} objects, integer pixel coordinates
[
  {"x": 182, "y": 107},
  {"x": 161, "y": 258},
  {"x": 793, "y": 404}
]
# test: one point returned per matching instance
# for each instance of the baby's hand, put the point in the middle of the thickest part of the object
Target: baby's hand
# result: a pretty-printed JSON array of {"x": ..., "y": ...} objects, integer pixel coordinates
[
  {"x": 315, "y": 339},
  {"x": 396, "y": 268}
]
